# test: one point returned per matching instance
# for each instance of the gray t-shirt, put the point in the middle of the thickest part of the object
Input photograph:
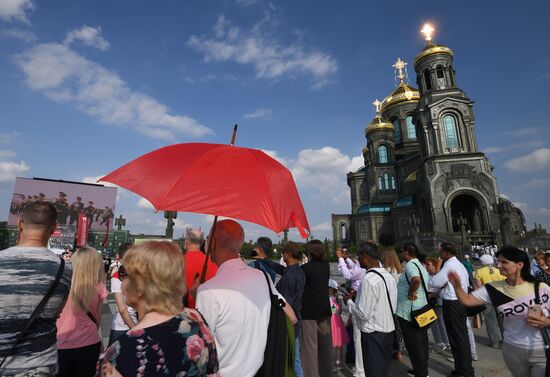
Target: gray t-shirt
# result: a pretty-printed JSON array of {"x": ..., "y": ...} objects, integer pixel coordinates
[{"x": 26, "y": 274}]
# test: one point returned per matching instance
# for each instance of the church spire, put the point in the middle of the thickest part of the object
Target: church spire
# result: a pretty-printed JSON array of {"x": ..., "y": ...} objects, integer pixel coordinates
[
  {"x": 400, "y": 70},
  {"x": 428, "y": 30}
]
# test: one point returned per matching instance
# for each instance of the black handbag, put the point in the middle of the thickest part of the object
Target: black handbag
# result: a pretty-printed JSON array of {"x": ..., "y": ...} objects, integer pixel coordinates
[
  {"x": 276, "y": 348},
  {"x": 36, "y": 311}
]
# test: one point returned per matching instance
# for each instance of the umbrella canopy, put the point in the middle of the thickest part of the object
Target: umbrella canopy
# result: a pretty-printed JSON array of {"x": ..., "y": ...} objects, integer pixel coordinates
[{"x": 216, "y": 179}]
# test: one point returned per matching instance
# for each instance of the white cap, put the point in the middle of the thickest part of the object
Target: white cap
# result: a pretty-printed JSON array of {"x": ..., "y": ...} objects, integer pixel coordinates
[
  {"x": 332, "y": 283},
  {"x": 486, "y": 260}
]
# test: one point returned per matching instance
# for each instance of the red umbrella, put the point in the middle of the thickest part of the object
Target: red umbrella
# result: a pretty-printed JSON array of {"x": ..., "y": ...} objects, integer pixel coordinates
[{"x": 216, "y": 179}]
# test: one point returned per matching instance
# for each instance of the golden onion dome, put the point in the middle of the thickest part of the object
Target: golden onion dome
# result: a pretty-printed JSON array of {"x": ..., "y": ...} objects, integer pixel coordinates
[
  {"x": 402, "y": 93},
  {"x": 432, "y": 49},
  {"x": 378, "y": 123}
]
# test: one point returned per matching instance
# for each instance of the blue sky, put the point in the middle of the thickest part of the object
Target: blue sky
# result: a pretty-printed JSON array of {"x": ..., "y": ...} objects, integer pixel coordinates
[{"x": 88, "y": 86}]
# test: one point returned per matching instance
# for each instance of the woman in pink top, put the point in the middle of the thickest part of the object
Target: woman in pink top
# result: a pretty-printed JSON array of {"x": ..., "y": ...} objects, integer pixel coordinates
[{"x": 78, "y": 340}]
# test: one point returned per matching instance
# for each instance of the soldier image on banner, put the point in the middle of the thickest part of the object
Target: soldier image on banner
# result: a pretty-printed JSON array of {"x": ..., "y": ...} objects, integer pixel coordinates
[
  {"x": 75, "y": 209},
  {"x": 89, "y": 211},
  {"x": 62, "y": 208},
  {"x": 106, "y": 215}
]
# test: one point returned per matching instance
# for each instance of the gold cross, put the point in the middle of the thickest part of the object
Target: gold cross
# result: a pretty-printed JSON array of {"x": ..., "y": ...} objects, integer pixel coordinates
[
  {"x": 377, "y": 104},
  {"x": 427, "y": 30},
  {"x": 399, "y": 66}
]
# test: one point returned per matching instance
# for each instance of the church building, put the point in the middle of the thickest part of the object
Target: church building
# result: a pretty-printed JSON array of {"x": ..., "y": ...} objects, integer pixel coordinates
[{"x": 424, "y": 179}]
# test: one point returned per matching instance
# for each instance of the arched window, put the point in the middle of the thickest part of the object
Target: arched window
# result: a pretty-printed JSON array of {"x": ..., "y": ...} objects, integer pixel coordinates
[
  {"x": 383, "y": 154},
  {"x": 386, "y": 181},
  {"x": 380, "y": 187},
  {"x": 440, "y": 78},
  {"x": 452, "y": 75},
  {"x": 427, "y": 79},
  {"x": 397, "y": 129},
  {"x": 393, "y": 183},
  {"x": 411, "y": 131},
  {"x": 449, "y": 123}
]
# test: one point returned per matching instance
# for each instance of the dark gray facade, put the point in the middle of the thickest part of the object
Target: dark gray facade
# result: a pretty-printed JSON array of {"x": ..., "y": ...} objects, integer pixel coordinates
[{"x": 424, "y": 179}]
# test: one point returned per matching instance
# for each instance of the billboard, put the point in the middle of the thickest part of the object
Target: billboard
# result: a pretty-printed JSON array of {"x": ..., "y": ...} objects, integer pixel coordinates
[{"x": 96, "y": 202}]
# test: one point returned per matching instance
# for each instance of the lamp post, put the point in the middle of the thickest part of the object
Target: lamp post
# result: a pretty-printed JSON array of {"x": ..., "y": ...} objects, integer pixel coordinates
[{"x": 170, "y": 216}]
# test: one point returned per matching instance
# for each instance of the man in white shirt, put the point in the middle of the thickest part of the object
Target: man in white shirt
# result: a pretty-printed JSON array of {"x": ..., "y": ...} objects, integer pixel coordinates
[
  {"x": 236, "y": 304},
  {"x": 125, "y": 316},
  {"x": 353, "y": 272},
  {"x": 453, "y": 311},
  {"x": 373, "y": 309}
]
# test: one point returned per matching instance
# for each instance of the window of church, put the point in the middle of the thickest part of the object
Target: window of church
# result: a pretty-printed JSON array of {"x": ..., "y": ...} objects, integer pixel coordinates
[
  {"x": 427, "y": 79},
  {"x": 411, "y": 131},
  {"x": 440, "y": 78},
  {"x": 380, "y": 186},
  {"x": 393, "y": 183},
  {"x": 386, "y": 181},
  {"x": 397, "y": 128},
  {"x": 449, "y": 123},
  {"x": 383, "y": 154}
]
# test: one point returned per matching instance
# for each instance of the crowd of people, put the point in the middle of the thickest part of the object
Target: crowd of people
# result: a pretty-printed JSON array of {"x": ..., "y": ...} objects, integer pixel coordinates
[{"x": 169, "y": 323}]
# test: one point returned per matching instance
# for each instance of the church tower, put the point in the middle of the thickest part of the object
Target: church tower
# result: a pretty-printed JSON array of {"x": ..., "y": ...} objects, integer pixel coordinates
[
  {"x": 424, "y": 179},
  {"x": 398, "y": 108},
  {"x": 458, "y": 185}
]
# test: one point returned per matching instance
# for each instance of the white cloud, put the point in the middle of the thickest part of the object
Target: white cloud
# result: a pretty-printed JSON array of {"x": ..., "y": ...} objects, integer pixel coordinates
[
  {"x": 7, "y": 138},
  {"x": 247, "y": 3},
  {"x": 325, "y": 171},
  {"x": 527, "y": 131},
  {"x": 322, "y": 228},
  {"x": 537, "y": 160},
  {"x": 65, "y": 76},
  {"x": 536, "y": 183},
  {"x": 537, "y": 143},
  {"x": 15, "y": 10},
  {"x": 7, "y": 154},
  {"x": 275, "y": 155},
  {"x": 494, "y": 150},
  {"x": 144, "y": 203},
  {"x": 23, "y": 35},
  {"x": 90, "y": 36},
  {"x": 9, "y": 170},
  {"x": 260, "y": 112},
  {"x": 269, "y": 58}
]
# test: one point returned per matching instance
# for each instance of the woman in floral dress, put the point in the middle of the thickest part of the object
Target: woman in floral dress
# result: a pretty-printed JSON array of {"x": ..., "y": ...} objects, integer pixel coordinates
[{"x": 168, "y": 340}]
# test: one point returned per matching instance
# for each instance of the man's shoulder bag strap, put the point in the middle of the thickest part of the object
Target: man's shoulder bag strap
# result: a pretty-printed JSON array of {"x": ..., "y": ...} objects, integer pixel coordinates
[
  {"x": 37, "y": 310},
  {"x": 387, "y": 291}
]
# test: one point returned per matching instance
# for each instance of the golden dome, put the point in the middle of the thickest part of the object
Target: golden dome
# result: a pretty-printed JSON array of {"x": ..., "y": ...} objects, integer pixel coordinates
[
  {"x": 378, "y": 123},
  {"x": 432, "y": 49},
  {"x": 402, "y": 93}
]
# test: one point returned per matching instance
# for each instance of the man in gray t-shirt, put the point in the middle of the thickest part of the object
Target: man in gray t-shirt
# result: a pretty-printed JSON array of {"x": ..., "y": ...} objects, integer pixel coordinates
[{"x": 26, "y": 273}]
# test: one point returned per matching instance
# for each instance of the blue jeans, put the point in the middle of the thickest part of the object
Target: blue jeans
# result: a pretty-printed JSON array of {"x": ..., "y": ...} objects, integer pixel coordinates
[
  {"x": 297, "y": 361},
  {"x": 115, "y": 334}
]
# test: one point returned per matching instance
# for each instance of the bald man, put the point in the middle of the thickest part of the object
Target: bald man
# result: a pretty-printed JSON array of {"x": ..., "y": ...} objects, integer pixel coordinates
[{"x": 236, "y": 304}]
